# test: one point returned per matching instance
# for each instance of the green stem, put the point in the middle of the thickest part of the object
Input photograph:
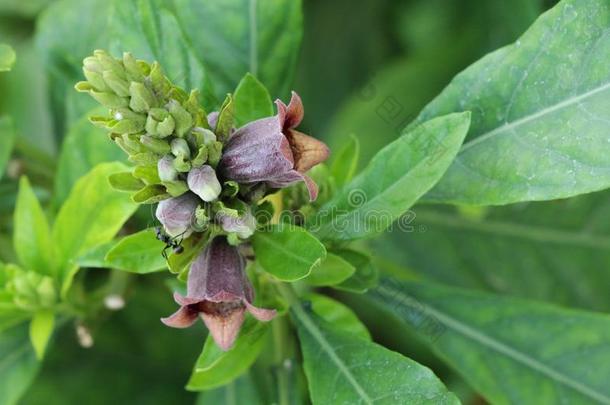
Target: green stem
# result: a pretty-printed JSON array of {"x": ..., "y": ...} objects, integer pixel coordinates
[{"x": 280, "y": 336}]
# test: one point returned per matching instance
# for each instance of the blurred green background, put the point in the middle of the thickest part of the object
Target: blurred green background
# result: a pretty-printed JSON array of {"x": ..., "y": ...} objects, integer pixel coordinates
[{"x": 366, "y": 67}]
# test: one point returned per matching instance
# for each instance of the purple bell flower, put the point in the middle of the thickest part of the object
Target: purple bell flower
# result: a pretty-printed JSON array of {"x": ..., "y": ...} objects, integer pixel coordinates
[
  {"x": 219, "y": 292},
  {"x": 270, "y": 150}
]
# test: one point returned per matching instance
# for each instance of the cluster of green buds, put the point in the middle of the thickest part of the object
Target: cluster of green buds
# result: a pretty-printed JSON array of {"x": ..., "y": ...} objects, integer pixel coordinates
[
  {"x": 164, "y": 131},
  {"x": 30, "y": 291},
  {"x": 207, "y": 177}
]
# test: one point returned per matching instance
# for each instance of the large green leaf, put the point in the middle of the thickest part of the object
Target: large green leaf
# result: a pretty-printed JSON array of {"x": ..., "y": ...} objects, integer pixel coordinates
[
  {"x": 7, "y": 58},
  {"x": 7, "y": 139},
  {"x": 287, "y": 251},
  {"x": 337, "y": 315},
  {"x": 344, "y": 369},
  {"x": 83, "y": 147},
  {"x": 393, "y": 181},
  {"x": 215, "y": 367},
  {"x": 137, "y": 253},
  {"x": 233, "y": 37},
  {"x": 32, "y": 236},
  {"x": 534, "y": 250},
  {"x": 540, "y": 112},
  {"x": 333, "y": 270},
  {"x": 512, "y": 351},
  {"x": 18, "y": 365},
  {"x": 91, "y": 216},
  {"x": 149, "y": 30}
]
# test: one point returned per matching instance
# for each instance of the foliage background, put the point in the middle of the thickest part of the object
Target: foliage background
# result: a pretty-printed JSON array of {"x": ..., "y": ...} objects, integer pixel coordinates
[{"x": 357, "y": 60}]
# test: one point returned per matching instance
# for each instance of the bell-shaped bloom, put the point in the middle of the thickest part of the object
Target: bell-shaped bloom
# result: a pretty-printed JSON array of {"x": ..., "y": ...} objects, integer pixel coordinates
[
  {"x": 177, "y": 214},
  {"x": 270, "y": 150},
  {"x": 219, "y": 292}
]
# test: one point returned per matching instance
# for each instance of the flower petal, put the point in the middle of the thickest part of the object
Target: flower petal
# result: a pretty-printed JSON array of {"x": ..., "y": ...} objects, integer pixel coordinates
[
  {"x": 224, "y": 328},
  {"x": 306, "y": 150},
  {"x": 183, "y": 318},
  {"x": 290, "y": 116},
  {"x": 262, "y": 314}
]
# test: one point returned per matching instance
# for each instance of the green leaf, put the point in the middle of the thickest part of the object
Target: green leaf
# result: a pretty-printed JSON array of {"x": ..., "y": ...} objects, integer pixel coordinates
[
  {"x": 536, "y": 250},
  {"x": 341, "y": 368},
  {"x": 137, "y": 253},
  {"x": 287, "y": 252},
  {"x": 539, "y": 113},
  {"x": 226, "y": 118},
  {"x": 393, "y": 181},
  {"x": 7, "y": 58},
  {"x": 149, "y": 30},
  {"x": 216, "y": 367},
  {"x": 7, "y": 139},
  {"x": 366, "y": 274},
  {"x": 252, "y": 101},
  {"x": 18, "y": 365},
  {"x": 241, "y": 36},
  {"x": 92, "y": 214},
  {"x": 151, "y": 194},
  {"x": 333, "y": 270},
  {"x": 41, "y": 329},
  {"x": 62, "y": 51},
  {"x": 84, "y": 146},
  {"x": 229, "y": 394},
  {"x": 32, "y": 237},
  {"x": 345, "y": 161},
  {"x": 337, "y": 315},
  {"x": 533, "y": 352}
]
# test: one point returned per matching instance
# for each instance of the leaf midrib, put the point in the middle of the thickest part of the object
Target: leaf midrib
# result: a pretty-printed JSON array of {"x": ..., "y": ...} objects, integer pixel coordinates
[
  {"x": 534, "y": 233},
  {"x": 528, "y": 118},
  {"x": 324, "y": 345},
  {"x": 497, "y": 346}
]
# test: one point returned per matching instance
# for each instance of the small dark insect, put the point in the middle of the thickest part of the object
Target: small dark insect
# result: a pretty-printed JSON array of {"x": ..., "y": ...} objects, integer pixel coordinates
[{"x": 174, "y": 243}]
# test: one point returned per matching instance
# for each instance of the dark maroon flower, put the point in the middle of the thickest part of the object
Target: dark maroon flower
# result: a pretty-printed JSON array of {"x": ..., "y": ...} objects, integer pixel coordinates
[
  {"x": 219, "y": 291},
  {"x": 270, "y": 150}
]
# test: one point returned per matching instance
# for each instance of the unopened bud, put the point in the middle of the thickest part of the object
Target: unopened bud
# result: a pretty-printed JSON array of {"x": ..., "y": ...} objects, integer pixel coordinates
[
  {"x": 203, "y": 182},
  {"x": 117, "y": 84},
  {"x": 142, "y": 99},
  {"x": 132, "y": 67},
  {"x": 166, "y": 169},
  {"x": 155, "y": 145},
  {"x": 180, "y": 148},
  {"x": 184, "y": 120},
  {"x": 159, "y": 123},
  {"x": 109, "y": 100}
]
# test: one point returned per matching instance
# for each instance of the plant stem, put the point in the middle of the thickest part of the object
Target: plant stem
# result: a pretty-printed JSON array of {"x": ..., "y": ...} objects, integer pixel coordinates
[{"x": 283, "y": 381}]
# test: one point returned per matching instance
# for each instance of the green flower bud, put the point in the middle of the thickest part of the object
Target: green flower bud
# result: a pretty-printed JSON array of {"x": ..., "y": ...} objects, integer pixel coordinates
[
  {"x": 180, "y": 148},
  {"x": 93, "y": 74},
  {"x": 128, "y": 126},
  {"x": 155, "y": 145},
  {"x": 126, "y": 148},
  {"x": 201, "y": 157},
  {"x": 144, "y": 158},
  {"x": 175, "y": 188},
  {"x": 166, "y": 170},
  {"x": 109, "y": 100},
  {"x": 181, "y": 164},
  {"x": 142, "y": 99},
  {"x": 184, "y": 120},
  {"x": 203, "y": 136},
  {"x": 201, "y": 219},
  {"x": 214, "y": 153},
  {"x": 158, "y": 81},
  {"x": 159, "y": 123},
  {"x": 134, "y": 70},
  {"x": 117, "y": 84},
  {"x": 109, "y": 63}
]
